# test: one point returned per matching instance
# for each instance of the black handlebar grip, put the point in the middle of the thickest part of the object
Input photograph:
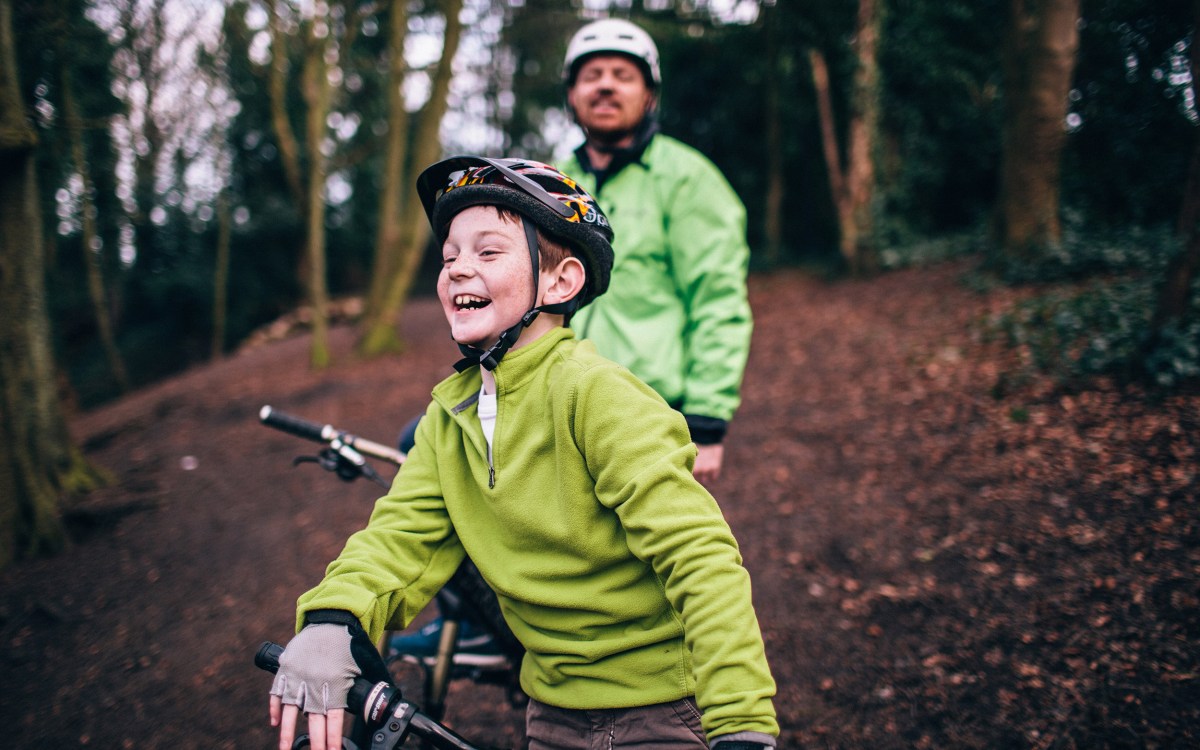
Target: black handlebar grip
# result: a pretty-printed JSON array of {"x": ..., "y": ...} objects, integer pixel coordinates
[
  {"x": 268, "y": 656},
  {"x": 360, "y": 691},
  {"x": 296, "y": 425}
]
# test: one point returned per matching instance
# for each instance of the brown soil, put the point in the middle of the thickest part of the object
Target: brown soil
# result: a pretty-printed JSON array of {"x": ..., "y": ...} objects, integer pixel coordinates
[{"x": 936, "y": 563}]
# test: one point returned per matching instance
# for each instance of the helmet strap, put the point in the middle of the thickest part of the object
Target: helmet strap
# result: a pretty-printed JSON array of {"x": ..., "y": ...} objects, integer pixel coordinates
[
  {"x": 489, "y": 358},
  {"x": 642, "y": 133}
]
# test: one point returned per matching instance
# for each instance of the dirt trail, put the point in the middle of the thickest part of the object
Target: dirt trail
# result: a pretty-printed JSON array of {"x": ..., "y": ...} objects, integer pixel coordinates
[{"x": 933, "y": 566}]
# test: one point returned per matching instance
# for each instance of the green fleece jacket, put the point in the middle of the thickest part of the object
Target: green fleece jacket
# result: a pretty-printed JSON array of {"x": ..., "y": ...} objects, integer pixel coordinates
[
  {"x": 676, "y": 312},
  {"x": 612, "y": 565}
]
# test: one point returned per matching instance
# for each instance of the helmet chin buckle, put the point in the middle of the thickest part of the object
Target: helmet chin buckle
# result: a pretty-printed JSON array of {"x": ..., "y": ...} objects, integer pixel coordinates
[{"x": 489, "y": 359}]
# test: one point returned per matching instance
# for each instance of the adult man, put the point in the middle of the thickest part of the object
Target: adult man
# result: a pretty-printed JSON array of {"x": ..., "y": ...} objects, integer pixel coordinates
[{"x": 676, "y": 314}]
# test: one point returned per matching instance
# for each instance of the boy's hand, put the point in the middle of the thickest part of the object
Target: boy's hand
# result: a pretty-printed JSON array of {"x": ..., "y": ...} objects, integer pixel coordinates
[
  {"x": 324, "y": 732},
  {"x": 315, "y": 673},
  {"x": 708, "y": 462}
]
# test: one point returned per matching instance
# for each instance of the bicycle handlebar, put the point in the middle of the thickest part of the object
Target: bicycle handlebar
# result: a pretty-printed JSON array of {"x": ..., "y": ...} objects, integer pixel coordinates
[
  {"x": 327, "y": 434},
  {"x": 389, "y": 716}
]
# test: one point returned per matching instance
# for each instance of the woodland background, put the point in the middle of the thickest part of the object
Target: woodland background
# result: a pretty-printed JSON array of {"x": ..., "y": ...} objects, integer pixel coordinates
[
  {"x": 967, "y": 452},
  {"x": 179, "y": 174}
]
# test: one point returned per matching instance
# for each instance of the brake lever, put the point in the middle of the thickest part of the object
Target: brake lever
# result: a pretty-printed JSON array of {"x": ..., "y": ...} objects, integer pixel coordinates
[{"x": 344, "y": 461}]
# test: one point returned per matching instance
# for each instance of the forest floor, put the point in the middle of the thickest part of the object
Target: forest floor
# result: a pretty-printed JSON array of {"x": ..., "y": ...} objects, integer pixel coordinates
[{"x": 938, "y": 561}]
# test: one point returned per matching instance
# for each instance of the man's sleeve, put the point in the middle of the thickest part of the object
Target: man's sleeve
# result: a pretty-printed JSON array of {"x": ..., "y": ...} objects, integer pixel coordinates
[{"x": 706, "y": 235}]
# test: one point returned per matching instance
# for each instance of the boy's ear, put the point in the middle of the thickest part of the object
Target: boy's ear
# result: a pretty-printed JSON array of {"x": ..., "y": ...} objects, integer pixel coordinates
[{"x": 564, "y": 281}]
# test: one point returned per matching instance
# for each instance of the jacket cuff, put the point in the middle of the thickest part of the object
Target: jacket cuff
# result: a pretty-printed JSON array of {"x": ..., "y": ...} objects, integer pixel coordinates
[
  {"x": 335, "y": 617},
  {"x": 706, "y": 430},
  {"x": 364, "y": 653},
  {"x": 743, "y": 741}
]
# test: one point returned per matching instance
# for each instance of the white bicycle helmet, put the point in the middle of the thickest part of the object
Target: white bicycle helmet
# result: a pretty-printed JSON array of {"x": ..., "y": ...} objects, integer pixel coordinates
[{"x": 612, "y": 35}]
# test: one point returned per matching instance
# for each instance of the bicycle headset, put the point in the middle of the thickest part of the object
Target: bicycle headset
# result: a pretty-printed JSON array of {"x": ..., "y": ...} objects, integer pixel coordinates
[{"x": 545, "y": 199}]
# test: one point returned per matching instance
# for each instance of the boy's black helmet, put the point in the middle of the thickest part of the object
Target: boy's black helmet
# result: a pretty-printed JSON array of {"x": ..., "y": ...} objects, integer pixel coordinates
[
  {"x": 554, "y": 202},
  {"x": 545, "y": 198}
]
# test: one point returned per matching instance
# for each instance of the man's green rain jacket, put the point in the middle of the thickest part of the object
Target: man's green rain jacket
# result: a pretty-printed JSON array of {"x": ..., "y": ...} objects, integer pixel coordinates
[{"x": 676, "y": 312}]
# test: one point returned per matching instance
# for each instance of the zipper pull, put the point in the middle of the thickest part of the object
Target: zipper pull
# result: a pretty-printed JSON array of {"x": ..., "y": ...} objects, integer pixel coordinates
[{"x": 491, "y": 477}]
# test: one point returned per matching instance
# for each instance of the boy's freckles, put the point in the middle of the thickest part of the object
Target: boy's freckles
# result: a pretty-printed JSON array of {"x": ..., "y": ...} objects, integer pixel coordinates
[{"x": 486, "y": 283}]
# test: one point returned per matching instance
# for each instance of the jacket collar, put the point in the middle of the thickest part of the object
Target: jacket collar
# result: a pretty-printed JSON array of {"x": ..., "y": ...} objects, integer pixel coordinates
[
  {"x": 622, "y": 157},
  {"x": 458, "y": 392}
]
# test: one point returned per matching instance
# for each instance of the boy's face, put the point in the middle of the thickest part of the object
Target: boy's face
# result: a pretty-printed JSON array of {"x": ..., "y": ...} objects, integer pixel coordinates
[{"x": 486, "y": 282}]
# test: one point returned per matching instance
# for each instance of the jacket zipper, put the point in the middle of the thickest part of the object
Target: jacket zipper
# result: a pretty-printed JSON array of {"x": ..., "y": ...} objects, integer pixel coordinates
[{"x": 491, "y": 469}]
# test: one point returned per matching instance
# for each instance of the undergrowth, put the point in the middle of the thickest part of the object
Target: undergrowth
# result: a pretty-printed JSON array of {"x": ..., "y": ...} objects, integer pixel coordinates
[{"x": 1094, "y": 316}]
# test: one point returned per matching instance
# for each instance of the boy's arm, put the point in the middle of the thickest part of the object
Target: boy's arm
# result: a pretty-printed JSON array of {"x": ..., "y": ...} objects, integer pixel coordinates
[
  {"x": 391, "y": 569},
  {"x": 640, "y": 454}
]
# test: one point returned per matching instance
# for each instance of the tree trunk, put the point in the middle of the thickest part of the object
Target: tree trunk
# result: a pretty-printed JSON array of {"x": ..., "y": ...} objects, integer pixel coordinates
[
  {"x": 381, "y": 335},
  {"x": 1039, "y": 60},
  {"x": 91, "y": 253},
  {"x": 388, "y": 247},
  {"x": 852, "y": 186},
  {"x": 862, "y": 135},
  {"x": 38, "y": 461},
  {"x": 1181, "y": 272},
  {"x": 833, "y": 160},
  {"x": 773, "y": 199},
  {"x": 221, "y": 274},
  {"x": 285, "y": 136},
  {"x": 144, "y": 38},
  {"x": 317, "y": 92},
  {"x": 289, "y": 150}
]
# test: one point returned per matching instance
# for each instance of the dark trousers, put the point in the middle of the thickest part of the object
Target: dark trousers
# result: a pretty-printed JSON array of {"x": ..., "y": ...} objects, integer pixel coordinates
[{"x": 663, "y": 726}]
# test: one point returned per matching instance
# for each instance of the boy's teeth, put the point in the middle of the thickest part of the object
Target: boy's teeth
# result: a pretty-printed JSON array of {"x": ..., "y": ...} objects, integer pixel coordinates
[{"x": 469, "y": 300}]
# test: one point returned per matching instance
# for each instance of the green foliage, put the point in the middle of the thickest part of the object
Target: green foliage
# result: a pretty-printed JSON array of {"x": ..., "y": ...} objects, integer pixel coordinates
[
  {"x": 1087, "y": 251},
  {"x": 937, "y": 160},
  {"x": 1102, "y": 326},
  {"x": 732, "y": 134},
  {"x": 916, "y": 250},
  {"x": 942, "y": 106},
  {"x": 1123, "y": 162}
]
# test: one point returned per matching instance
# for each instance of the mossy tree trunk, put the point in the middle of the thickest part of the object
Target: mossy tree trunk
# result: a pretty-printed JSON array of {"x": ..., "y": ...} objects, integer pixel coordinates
[
  {"x": 317, "y": 94},
  {"x": 89, "y": 237},
  {"x": 852, "y": 183},
  {"x": 1175, "y": 294},
  {"x": 39, "y": 463},
  {"x": 1039, "y": 54},
  {"x": 396, "y": 182},
  {"x": 379, "y": 330}
]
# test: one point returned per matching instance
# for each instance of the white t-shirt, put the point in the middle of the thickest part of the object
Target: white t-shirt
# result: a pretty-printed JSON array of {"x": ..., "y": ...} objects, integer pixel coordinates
[{"x": 486, "y": 408}]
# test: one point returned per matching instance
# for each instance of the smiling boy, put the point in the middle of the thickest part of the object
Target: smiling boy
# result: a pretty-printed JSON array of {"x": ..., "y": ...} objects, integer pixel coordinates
[{"x": 568, "y": 482}]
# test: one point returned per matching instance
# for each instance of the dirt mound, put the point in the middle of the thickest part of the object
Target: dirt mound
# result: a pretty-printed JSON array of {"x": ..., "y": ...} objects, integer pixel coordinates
[{"x": 934, "y": 566}]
